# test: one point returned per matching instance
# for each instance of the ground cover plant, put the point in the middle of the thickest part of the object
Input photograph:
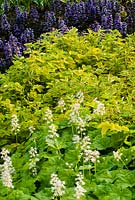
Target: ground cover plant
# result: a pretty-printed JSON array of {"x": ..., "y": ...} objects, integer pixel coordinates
[
  {"x": 24, "y": 21},
  {"x": 67, "y": 119}
]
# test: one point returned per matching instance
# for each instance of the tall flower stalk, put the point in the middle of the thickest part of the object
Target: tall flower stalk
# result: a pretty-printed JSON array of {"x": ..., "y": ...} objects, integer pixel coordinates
[
  {"x": 15, "y": 127},
  {"x": 79, "y": 189},
  {"x": 57, "y": 186},
  {"x": 7, "y": 169}
]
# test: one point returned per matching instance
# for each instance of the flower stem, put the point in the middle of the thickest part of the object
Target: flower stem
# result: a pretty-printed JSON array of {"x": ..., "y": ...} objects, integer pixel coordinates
[{"x": 95, "y": 167}]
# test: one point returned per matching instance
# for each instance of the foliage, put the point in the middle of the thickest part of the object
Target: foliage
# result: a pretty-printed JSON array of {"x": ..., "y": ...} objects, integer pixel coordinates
[{"x": 73, "y": 98}]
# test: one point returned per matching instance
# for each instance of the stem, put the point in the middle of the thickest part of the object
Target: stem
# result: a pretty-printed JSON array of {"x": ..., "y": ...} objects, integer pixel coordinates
[
  {"x": 89, "y": 168},
  {"x": 124, "y": 163},
  {"x": 57, "y": 146},
  {"x": 83, "y": 166},
  {"x": 95, "y": 167},
  {"x": 16, "y": 138},
  {"x": 72, "y": 129}
]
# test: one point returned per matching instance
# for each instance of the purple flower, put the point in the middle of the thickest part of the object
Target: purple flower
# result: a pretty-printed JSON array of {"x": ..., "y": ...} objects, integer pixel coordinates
[
  {"x": 57, "y": 6},
  {"x": 8, "y": 53},
  {"x": 27, "y": 36},
  {"x": 1, "y": 44},
  {"x": 117, "y": 21},
  {"x": 34, "y": 14},
  {"x": 62, "y": 26},
  {"x": 75, "y": 14},
  {"x": 50, "y": 21},
  {"x": 16, "y": 46},
  {"x": 21, "y": 17},
  {"x": 5, "y": 26},
  {"x": 17, "y": 31},
  {"x": 95, "y": 26},
  {"x": 107, "y": 21},
  {"x": 123, "y": 28}
]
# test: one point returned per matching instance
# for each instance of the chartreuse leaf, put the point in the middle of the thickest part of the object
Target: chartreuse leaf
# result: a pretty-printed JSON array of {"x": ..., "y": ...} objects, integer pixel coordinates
[
  {"x": 58, "y": 67},
  {"x": 126, "y": 141},
  {"x": 105, "y": 126}
]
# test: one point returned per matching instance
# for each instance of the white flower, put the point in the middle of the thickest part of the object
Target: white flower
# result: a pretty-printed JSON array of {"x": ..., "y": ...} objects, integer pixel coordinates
[
  {"x": 73, "y": 118},
  {"x": 61, "y": 104},
  {"x": 74, "y": 114},
  {"x": 33, "y": 160},
  {"x": 76, "y": 107},
  {"x": 4, "y": 154},
  {"x": 15, "y": 124},
  {"x": 80, "y": 96},
  {"x": 52, "y": 131},
  {"x": 7, "y": 169},
  {"x": 88, "y": 118},
  {"x": 117, "y": 155},
  {"x": 31, "y": 129},
  {"x": 100, "y": 110},
  {"x": 81, "y": 125},
  {"x": 48, "y": 116},
  {"x": 58, "y": 186},
  {"x": 69, "y": 165},
  {"x": 33, "y": 152},
  {"x": 85, "y": 143},
  {"x": 90, "y": 155},
  {"x": 76, "y": 139},
  {"x": 79, "y": 190}
]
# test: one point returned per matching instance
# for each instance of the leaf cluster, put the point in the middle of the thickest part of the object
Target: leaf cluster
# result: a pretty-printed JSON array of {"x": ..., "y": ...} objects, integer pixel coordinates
[{"x": 58, "y": 66}]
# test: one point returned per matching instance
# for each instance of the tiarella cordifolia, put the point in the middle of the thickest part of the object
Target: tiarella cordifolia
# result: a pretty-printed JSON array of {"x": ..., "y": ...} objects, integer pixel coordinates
[
  {"x": 79, "y": 189},
  {"x": 84, "y": 144},
  {"x": 100, "y": 109},
  {"x": 57, "y": 186},
  {"x": 7, "y": 169},
  {"x": 31, "y": 129},
  {"x": 48, "y": 116},
  {"x": 34, "y": 158},
  {"x": 15, "y": 127},
  {"x": 52, "y": 132},
  {"x": 61, "y": 102},
  {"x": 117, "y": 155}
]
